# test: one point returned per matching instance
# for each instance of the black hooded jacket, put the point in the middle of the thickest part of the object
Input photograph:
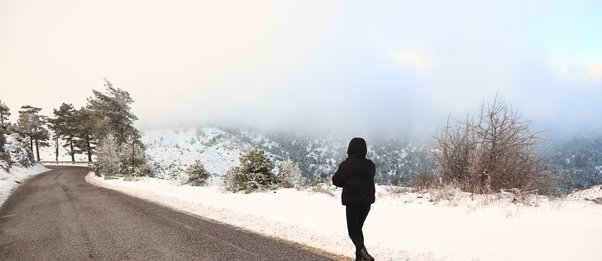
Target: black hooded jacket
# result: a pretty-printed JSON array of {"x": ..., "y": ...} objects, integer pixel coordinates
[{"x": 356, "y": 175}]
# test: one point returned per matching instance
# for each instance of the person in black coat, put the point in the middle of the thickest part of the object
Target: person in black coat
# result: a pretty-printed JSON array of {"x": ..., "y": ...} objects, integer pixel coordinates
[{"x": 356, "y": 176}]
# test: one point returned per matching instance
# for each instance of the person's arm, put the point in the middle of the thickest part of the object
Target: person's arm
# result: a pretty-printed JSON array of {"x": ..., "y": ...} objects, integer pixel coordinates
[{"x": 338, "y": 178}]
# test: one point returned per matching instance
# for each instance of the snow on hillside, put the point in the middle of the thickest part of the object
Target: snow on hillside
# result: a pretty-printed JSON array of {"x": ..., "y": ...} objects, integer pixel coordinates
[
  {"x": 172, "y": 151},
  {"x": 593, "y": 193},
  {"x": 18, "y": 169},
  {"x": 401, "y": 226},
  {"x": 11, "y": 179}
]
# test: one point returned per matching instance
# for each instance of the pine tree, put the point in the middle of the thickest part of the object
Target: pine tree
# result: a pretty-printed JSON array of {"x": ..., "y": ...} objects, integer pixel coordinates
[
  {"x": 255, "y": 172},
  {"x": 197, "y": 174},
  {"x": 32, "y": 125},
  {"x": 289, "y": 174},
  {"x": 64, "y": 126},
  {"x": 112, "y": 113},
  {"x": 2, "y": 140},
  {"x": 108, "y": 157},
  {"x": 132, "y": 161},
  {"x": 85, "y": 141},
  {"x": 4, "y": 114}
]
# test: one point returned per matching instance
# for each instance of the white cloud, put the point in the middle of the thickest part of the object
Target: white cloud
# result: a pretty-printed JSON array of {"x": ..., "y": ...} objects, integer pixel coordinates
[
  {"x": 417, "y": 59},
  {"x": 588, "y": 71}
]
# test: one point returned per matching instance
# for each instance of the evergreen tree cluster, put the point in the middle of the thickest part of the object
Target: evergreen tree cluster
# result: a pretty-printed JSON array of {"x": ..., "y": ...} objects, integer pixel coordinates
[
  {"x": 104, "y": 124},
  {"x": 33, "y": 126},
  {"x": 254, "y": 172},
  {"x": 119, "y": 143}
]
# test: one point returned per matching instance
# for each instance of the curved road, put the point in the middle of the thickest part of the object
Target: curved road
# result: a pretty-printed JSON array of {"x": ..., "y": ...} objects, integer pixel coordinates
[{"x": 58, "y": 216}]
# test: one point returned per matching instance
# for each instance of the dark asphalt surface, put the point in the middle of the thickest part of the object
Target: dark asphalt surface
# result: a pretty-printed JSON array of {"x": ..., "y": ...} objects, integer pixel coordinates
[{"x": 58, "y": 216}]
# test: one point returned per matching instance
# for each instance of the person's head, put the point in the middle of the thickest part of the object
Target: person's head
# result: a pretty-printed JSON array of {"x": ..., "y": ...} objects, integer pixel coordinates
[{"x": 357, "y": 146}]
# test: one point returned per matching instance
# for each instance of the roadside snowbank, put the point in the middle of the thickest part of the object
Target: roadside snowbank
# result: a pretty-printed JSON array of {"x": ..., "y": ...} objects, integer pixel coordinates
[
  {"x": 401, "y": 226},
  {"x": 10, "y": 180}
]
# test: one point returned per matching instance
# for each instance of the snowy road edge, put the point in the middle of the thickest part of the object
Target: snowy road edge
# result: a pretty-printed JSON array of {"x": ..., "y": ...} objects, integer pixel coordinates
[
  {"x": 245, "y": 222},
  {"x": 15, "y": 179}
]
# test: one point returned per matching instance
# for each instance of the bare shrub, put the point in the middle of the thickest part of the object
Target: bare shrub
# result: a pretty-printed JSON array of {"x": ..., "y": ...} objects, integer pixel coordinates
[
  {"x": 399, "y": 190},
  {"x": 324, "y": 188},
  {"x": 425, "y": 180},
  {"x": 446, "y": 192},
  {"x": 492, "y": 152}
]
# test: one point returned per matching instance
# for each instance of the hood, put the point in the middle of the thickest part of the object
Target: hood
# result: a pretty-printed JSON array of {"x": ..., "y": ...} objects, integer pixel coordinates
[{"x": 357, "y": 146}]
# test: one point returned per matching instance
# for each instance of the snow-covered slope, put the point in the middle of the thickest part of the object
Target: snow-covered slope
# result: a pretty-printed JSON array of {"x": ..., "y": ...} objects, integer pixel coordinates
[
  {"x": 15, "y": 166},
  {"x": 171, "y": 151}
]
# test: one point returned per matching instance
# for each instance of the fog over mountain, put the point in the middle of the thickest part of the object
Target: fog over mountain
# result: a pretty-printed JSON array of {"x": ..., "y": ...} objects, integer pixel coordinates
[{"x": 320, "y": 67}]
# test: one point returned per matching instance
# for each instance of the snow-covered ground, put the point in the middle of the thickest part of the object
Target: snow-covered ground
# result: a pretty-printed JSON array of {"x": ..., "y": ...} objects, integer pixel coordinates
[
  {"x": 401, "y": 226},
  {"x": 10, "y": 180},
  {"x": 15, "y": 166}
]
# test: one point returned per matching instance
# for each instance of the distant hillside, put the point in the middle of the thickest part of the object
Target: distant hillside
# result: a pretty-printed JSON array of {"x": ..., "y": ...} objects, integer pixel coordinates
[
  {"x": 170, "y": 151},
  {"x": 579, "y": 159},
  {"x": 219, "y": 149}
]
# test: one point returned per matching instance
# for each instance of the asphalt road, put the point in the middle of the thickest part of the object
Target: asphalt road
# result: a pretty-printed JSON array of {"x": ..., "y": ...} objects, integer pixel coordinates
[{"x": 58, "y": 216}]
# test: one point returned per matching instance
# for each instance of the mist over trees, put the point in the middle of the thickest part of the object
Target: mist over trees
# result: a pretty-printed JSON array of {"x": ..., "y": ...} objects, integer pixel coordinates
[
  {"x": 580, "y": 160},
  {"x": 493, "y": 151}
]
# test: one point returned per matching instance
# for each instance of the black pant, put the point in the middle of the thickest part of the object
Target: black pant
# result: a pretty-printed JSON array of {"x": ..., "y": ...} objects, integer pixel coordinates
[{"x": 356, "y": 215}]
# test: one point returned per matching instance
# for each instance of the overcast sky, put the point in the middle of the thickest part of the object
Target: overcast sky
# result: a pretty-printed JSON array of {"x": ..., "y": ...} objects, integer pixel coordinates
[{"x": 348, "y": 66}]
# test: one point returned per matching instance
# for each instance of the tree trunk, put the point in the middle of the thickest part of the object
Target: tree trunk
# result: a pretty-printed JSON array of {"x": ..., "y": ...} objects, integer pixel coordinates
[
  {"x": 89, "y": 148},
  {"x": 38, "y": 150},
  {"x": 71, "y": 147},
  {"x": 31, "y": 143},
  {"x": 56, "y": 149},
  {"x": 133, "y": 156}
]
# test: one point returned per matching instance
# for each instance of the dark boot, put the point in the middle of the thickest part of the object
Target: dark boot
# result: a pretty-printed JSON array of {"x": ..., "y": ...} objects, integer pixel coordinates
[{"x": 364, "y": 256}]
